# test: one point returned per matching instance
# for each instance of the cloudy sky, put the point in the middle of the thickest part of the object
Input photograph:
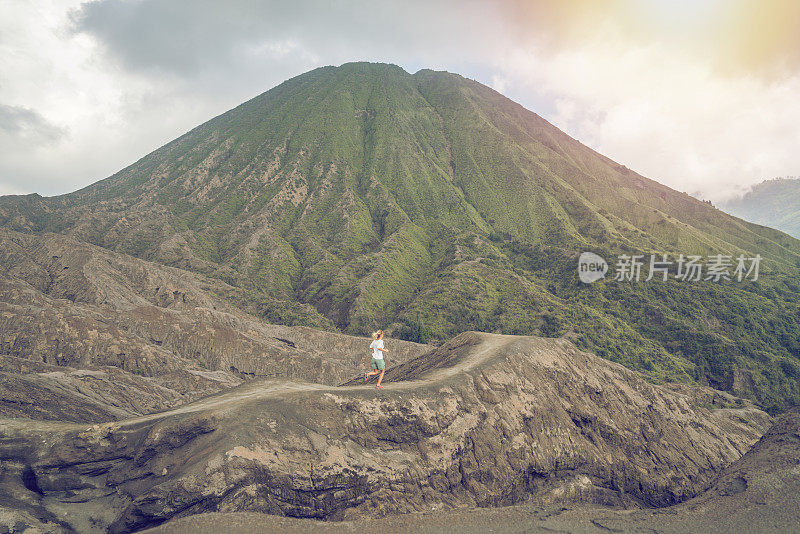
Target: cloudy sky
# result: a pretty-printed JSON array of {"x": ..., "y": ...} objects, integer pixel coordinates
[{"x": 701, "y": 95}]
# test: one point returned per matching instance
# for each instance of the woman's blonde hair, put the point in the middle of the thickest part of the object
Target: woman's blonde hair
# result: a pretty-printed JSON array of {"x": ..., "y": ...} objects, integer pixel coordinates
[{"x": 377, "y": 334}]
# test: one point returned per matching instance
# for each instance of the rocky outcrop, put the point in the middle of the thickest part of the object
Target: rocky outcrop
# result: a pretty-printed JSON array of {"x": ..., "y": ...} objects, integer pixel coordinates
[
  {"x": 483, "y": 420},
  {"x": 760, "y": 492}
]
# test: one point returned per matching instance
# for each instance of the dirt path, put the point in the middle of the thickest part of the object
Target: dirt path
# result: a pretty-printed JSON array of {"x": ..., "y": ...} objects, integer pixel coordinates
[{"x": 260, "y": 389}]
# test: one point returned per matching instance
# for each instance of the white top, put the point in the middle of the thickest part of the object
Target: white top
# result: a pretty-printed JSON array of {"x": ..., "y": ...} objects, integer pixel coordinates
[{"x": 375, "y": 345}]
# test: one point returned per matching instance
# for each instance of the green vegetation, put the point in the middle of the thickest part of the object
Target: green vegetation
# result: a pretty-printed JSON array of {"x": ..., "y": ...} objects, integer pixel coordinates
[{"x": 363, "y": 196}]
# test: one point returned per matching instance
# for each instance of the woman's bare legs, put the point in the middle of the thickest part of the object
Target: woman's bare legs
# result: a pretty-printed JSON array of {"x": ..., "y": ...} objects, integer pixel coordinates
[{"x": 380, "y": 378}]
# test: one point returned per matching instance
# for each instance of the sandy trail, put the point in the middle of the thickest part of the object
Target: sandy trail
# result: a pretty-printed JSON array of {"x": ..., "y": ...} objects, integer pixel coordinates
[
  {"x": 262, "y": 389},
  {"x": 489, "y": 345}
]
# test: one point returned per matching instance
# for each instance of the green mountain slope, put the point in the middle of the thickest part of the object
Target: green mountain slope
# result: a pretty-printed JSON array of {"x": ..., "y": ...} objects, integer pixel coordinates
[
  {"x": 774, "y": 203},
  {"x": 361, "y": 196}
]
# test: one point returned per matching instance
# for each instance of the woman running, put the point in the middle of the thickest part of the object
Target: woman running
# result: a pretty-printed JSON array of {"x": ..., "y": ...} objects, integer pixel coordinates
[{"x": 378, "y": 364}]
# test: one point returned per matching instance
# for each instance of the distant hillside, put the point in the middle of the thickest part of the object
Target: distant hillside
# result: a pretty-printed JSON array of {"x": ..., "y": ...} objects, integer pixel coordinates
[
  {"x": 362, "y": 196},
  {"x": 774, "y": 203}
]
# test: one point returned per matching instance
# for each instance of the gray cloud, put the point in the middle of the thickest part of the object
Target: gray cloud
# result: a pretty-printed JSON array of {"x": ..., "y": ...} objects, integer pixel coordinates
[
  {"x": 24, "y": 135},
  {"x": 27, "y": 125},
  {"x": 190, "y": 37}
]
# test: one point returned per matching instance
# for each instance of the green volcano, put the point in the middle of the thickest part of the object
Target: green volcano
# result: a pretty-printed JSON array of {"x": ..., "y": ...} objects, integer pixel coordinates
[{"x": 363, "y": 196}]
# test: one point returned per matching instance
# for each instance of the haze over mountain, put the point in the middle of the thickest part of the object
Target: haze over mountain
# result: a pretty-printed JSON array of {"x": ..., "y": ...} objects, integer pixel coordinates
[
  {"x": 774, "y": 203},
  {"x": 360, "y": 196}
]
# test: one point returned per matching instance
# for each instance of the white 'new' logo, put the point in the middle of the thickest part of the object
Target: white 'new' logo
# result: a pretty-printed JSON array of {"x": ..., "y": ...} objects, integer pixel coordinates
[{"x": 591, "y": 267}]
